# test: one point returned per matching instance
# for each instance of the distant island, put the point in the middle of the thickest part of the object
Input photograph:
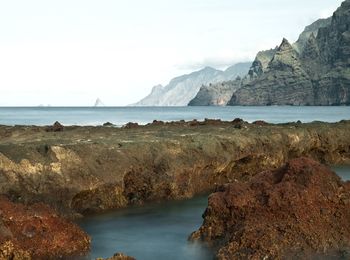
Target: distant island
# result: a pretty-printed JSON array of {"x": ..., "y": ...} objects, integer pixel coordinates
[{"x": 314, "y": 71}]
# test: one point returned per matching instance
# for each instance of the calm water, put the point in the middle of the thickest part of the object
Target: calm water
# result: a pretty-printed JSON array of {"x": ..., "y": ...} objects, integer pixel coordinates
[
  {"x": 156, "y": 231},
  {"x": 343, "y": 171},
  {"x": 143, "y": 115}
]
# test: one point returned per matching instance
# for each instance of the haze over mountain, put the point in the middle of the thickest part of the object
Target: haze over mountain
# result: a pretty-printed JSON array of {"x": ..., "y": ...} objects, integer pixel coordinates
[{"x": 184, "y": 88}]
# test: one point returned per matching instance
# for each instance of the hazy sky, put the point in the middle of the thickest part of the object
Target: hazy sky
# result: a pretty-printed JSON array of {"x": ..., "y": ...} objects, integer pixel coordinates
[{"x": 70, "y": 52}]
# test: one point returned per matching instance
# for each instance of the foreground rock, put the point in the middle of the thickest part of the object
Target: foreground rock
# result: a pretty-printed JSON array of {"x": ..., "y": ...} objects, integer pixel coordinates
[
  {"x": 56, "y": 127},
  {"x": 118, "y": 256},
  {"x": 92, "y": 169},
  {"x": 301, "y": 210},
  {"x": 37, "y": 232}
]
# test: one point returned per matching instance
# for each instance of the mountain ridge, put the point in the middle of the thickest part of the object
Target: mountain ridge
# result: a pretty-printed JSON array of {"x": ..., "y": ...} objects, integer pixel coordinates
[{"x": 182, "y": 89}]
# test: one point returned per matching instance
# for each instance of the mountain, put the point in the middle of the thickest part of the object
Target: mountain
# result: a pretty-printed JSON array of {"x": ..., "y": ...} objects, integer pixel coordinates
[
  {"x": 313, "y": 71},
  {"x": 181, "y": 90},
  {"x": 219, "y": 94}
]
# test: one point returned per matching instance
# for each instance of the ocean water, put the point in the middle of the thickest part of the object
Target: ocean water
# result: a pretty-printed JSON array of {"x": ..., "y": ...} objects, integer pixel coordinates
[
  {"x": 157, "y": 231},
  {"x": 142, "y": 115}
]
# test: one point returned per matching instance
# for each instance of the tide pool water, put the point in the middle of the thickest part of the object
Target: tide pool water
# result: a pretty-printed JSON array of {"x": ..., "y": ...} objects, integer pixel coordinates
[
  {"x": 157, "y": 231},
  {"x": 142, "y": 115},
  {"x": 343, "y": 171}
]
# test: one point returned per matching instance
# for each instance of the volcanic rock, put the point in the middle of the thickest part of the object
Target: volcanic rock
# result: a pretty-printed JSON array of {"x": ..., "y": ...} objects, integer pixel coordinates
[
  {"x": 92, "y": 169},
  {"x": 108, "y": 124},
  {"x": 131, "y": 125},
  {"x": 56, "y": 127},
  {"x": 118, "y": 256},
  {"x": 260, "y": 123},
  {"x": 301, "y": 210},
  {"x": 38, "y": 232}
]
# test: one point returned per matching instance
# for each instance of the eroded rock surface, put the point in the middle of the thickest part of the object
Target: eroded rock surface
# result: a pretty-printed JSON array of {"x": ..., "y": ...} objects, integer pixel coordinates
[
  {"x": 301, "y": 210},
  {"x": 92, "y": 169},
  {"x": 118, "y": 256},
  {"x": 38, "y": 232}
]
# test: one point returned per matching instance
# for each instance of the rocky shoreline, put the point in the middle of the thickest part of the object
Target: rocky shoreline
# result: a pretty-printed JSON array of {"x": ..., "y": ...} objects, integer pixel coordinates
[
  {"x": 38, "y": 232},
  {"x": 299, "y": 211},
  {"x": 81, "y": 170},
  {"x": 90, "y": 169}
]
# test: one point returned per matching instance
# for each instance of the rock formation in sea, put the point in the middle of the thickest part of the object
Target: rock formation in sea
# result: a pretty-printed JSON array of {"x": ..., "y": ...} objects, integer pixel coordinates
[
  {"x": 38, "y": 232},
  {"x": 313, "y": 71},
  {"x": 181, "y": 90},
  {"x": 299, "y": 211},
  {"x": 99, "y": 103}
]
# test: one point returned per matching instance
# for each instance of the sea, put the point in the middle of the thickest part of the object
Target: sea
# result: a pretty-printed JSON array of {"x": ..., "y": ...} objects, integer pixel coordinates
[{"x": 143, "y": 115}]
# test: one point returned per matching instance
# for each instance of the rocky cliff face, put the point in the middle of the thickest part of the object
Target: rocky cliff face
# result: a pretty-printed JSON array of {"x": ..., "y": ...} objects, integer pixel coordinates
[
  {"x": 315, "y": 71},
  {"x": 220, "y": 94},
  {"x": 310, "y": 29},
  {"x": 261, "y": 63},
  {"x": 181, "y": 90},
  {"x": 283, "y": 82},
  {"x": 216, "y": 94}
]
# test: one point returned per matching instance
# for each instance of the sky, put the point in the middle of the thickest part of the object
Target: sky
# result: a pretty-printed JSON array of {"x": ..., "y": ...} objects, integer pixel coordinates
[{"x": 71, "y": 52}]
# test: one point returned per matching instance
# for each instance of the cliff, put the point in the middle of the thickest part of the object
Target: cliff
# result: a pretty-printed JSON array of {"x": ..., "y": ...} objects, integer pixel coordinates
[
  {"x": 219, "y": 94},
  {"x": 315, "y": 71},
  {"x": 216, "y": 94}
]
